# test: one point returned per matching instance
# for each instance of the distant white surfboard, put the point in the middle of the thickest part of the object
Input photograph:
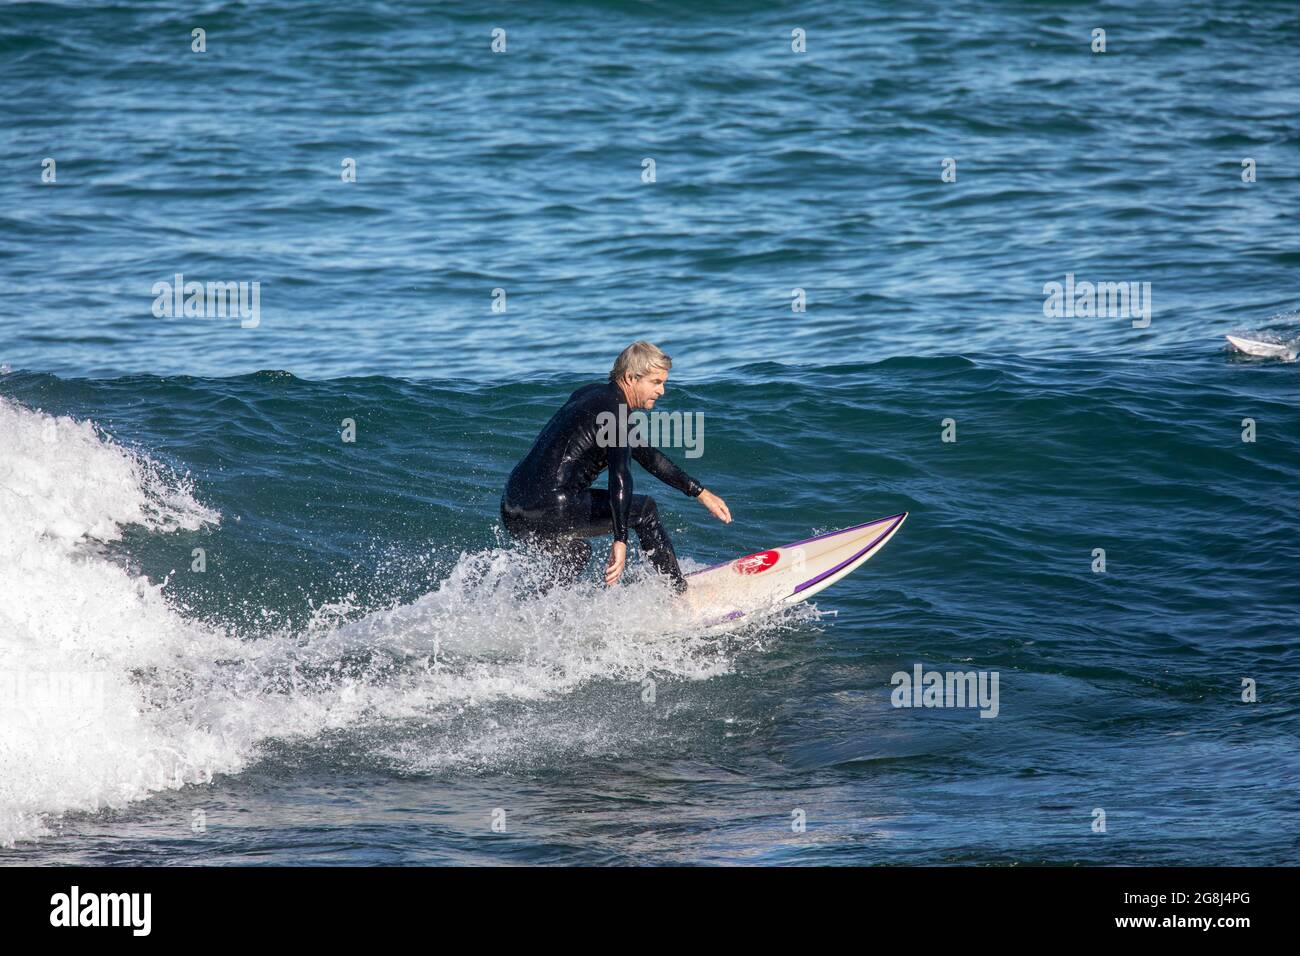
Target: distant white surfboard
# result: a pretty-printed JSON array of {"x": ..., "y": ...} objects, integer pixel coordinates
[
  {"x": 1261, "y": 349},
  {"x": 764, "y": 580}
]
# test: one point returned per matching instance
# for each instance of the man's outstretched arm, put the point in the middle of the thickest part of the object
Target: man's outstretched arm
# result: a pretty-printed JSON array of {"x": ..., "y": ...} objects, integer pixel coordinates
[{"x": 662, "y": 467}]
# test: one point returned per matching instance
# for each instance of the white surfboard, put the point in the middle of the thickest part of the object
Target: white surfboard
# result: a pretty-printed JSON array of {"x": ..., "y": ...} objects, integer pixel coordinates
[
  {"x": 1261, "y": 349},
  {"x": 765, "y": 580}
]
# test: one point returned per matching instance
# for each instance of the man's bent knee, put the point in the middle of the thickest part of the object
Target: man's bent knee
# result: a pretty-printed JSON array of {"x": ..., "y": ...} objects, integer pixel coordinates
[{"x": 648, "y": 514}]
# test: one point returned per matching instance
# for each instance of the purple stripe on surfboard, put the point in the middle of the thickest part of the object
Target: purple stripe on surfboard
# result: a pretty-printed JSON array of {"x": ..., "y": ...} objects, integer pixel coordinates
[
  {"x": 795, "y": 544},
  {"x": 856, "y": 527},
  {"x": 898, "y": 519}
]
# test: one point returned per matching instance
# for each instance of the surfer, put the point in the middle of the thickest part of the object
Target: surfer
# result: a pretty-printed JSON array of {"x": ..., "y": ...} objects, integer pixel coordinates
[{"x": 549, "y": 499}]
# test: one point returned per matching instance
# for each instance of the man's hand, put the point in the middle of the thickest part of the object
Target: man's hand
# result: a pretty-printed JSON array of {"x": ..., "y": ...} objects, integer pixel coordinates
[
  {"x": 617, "y": 558},
  {"x": 715, "y": 505}
]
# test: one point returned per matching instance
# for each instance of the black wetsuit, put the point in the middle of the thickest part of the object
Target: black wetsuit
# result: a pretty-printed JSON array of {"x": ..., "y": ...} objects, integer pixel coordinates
[{"x": 549, "y": 498}]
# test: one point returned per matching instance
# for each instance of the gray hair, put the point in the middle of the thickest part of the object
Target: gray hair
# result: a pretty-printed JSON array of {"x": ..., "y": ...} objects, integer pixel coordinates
[{"x": 638, "y": 359}]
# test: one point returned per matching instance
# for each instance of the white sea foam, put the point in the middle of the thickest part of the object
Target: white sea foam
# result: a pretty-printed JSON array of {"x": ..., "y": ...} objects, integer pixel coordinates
[
  {"x": 110, "y": 692},
  {"x": 107, "y": 692},
  {"x": 75, "y": 731}
]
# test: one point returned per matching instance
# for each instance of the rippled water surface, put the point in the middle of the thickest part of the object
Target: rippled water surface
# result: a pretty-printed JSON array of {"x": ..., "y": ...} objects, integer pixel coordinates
[{"x": 357, "y": 676}]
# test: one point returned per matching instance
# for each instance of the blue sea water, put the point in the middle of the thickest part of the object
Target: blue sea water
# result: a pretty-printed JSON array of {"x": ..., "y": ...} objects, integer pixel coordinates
[{"x": 356, "y": 676}]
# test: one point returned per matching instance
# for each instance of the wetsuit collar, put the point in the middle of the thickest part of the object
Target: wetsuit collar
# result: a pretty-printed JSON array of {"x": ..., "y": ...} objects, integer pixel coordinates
[{"x": 620, "y": 394}]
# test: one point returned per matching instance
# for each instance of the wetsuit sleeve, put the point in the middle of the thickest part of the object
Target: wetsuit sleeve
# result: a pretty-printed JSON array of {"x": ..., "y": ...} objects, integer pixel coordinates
[
  {"x": 620, "y": 489},
  {"x": 662, "y": 467}
]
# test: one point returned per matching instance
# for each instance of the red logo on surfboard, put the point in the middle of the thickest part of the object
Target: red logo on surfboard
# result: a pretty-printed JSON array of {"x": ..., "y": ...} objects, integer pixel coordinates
[{"x": 756, "y": 563}]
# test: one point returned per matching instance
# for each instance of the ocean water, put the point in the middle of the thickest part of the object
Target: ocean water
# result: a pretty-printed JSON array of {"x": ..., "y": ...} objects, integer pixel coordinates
[{"x": 361, "y": 674}]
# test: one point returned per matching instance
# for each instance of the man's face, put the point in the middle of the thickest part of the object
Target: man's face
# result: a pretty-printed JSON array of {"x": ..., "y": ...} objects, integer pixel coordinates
[{"x": 644, "y": 390}]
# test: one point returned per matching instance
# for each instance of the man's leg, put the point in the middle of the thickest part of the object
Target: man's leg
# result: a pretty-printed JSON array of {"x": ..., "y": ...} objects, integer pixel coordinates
[
  {"x": 569, "y": 557},
  {"x": 561, "y": 533},
  {"x": 553, "y": 535},
  {"x": 643, "y": 518}
]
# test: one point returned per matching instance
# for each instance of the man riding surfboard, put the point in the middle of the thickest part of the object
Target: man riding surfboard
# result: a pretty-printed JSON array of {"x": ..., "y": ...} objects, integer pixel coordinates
[{"x": 549, "y": 499}]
